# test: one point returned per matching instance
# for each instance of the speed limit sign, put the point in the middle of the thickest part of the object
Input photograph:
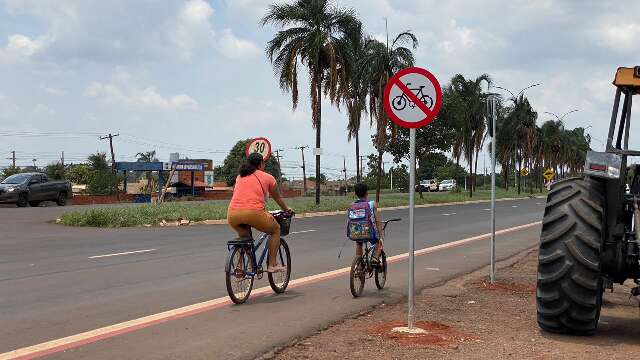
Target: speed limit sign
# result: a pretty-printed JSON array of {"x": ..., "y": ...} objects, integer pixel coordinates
[{"x": 261, "y": 146}]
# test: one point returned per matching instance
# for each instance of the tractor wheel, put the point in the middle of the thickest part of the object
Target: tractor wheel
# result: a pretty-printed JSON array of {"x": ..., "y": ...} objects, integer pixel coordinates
[{"x": 570, "y": 286}]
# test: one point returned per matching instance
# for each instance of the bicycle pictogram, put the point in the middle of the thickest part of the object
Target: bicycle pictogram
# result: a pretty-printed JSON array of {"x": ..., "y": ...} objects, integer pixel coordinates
[{"x": 400, "y": 102}]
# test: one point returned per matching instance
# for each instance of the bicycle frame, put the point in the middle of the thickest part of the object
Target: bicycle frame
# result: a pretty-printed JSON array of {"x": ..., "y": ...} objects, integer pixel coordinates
[{"x": 254, "y": 249}]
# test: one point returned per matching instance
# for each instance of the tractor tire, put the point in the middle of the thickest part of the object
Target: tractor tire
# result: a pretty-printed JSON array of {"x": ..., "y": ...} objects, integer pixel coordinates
[{"x": 570, "y": 285}]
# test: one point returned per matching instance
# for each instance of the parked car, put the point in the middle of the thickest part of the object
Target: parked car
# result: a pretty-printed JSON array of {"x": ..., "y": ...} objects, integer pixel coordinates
[
  {"x": 427, "y": 185},
  {"x": 447, "y": 185},
  {"x": 32, "y": 189}
]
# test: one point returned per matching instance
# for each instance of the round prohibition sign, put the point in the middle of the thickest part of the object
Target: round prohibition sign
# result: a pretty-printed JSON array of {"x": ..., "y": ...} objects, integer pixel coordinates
[
  {"x": 261, "y": 146},
  {"x": 412, "y": 97}
]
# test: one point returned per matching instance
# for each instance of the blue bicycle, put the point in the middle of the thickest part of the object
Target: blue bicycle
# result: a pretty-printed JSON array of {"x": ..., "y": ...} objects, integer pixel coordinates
[{"x": 242, "y": 267}]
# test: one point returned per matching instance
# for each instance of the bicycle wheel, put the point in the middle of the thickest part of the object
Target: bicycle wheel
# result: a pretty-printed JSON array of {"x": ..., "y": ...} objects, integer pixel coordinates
[
  {"x": 399, "y": 102},
  {"x": 280, "y": 281},
  {"x": 239, "y": 284},
  {"x": 381, "y": 271},
  {"x": 357, "y": 276}
]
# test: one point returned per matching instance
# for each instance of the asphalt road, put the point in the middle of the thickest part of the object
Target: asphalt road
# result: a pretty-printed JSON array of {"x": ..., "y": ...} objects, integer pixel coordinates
[{"x": 56, "y": 281}]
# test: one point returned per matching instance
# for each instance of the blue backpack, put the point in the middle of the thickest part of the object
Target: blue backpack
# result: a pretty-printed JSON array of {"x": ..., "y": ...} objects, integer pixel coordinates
[{"x": 360, "y": 221}]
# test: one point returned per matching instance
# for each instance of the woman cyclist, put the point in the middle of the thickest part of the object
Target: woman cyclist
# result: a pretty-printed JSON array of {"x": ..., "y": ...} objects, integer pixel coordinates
[{"x": 248, "y": 209}]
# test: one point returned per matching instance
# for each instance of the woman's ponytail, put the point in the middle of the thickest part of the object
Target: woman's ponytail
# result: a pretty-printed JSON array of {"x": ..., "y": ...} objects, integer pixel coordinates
[{"x": 253, "y": 163}]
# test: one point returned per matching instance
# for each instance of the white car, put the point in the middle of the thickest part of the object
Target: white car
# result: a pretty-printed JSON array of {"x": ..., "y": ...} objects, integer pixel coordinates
[{"x": 447, "y": 185}]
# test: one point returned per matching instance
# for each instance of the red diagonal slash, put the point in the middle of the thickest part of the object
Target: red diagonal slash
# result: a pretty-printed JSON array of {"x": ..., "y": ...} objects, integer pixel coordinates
[{"x": 412, "y": 97}]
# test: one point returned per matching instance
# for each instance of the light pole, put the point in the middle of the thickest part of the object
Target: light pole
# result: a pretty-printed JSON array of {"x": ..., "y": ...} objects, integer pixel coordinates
[
  {"x": 514, "y": 97},
  {"x": 561, "y": 117}
]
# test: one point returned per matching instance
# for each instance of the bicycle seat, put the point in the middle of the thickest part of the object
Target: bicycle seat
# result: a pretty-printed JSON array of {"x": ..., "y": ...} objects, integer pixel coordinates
[{"x": 245, "y": 240}]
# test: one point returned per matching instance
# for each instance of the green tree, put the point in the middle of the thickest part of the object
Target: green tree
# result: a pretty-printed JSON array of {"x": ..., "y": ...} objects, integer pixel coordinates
[
  {"x": 311, "y": 33},
  {"x": 10, "y": 170},
  {"x": 98, "y": 161},
  {"x": 379, "y": 63},
  {"x": 237, "y": 156},
  {"x": 354, "y": 89},
  {"x": 323, "y": 178},
  {"x": 450, "y": 171},
  {"x": 467, "y": 108},
  {"x": 428, "y": 164},
  {"x": 78, "y": 173},
  {"x": 149, "y": 156},
  {"x": 102, "y": 182},
  {"x": 55, "y": 171}
]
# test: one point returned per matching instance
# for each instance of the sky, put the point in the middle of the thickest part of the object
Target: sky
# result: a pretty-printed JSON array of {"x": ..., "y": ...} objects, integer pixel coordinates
[{"x": 191, "y": 76}]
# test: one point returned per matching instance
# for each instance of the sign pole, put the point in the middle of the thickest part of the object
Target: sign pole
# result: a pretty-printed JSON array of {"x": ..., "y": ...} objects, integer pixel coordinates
[
  {"x": 493, "y": 190},
  {"x": 412, "y": 185},
  {"x": 412, "y": 108}
]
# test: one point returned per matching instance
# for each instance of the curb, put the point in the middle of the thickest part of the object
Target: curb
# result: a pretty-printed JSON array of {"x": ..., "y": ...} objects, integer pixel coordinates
[{"x": 403, "y": 207}]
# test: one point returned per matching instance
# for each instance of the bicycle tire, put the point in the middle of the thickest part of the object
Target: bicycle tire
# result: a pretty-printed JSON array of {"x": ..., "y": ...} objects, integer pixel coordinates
[
  {"x": 381, "y": 271},
  {"x": 402, "y": 102},
  {"x": 281, "y": 258},
  {"x": 357, "y": 276},
  {"x": 233, "y": 274}
]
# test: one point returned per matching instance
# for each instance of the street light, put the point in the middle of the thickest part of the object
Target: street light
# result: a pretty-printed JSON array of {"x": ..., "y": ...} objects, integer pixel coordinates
[
  {"x": 560, "y": 118},
  {"x": 514, "y": 97}
]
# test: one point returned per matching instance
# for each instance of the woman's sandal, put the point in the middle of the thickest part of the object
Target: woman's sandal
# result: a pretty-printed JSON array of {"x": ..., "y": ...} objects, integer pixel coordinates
[{"x": 276, "y": 269}]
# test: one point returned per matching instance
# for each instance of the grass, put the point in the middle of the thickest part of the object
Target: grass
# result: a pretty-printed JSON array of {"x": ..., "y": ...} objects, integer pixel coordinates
[{"x": 128, "y": 216}]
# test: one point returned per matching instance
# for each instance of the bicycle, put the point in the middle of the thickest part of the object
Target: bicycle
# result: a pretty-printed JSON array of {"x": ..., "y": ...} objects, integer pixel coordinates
[
  {"x": 400, "y": 101},
  {"x": 241, "y": 266},
  {"x": 362, "y": 267}
]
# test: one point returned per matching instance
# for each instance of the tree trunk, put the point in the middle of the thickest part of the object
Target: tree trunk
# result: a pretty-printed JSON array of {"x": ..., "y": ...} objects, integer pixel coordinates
[
  {"x": 474, "y": 175},
  {"x": 470, "y": 173},
  {"x": 379, "y": 177},
  {"x": 318, "y": 128},
  {"x": 358, "y": 175},
  {"x": 518, "y": 177}
]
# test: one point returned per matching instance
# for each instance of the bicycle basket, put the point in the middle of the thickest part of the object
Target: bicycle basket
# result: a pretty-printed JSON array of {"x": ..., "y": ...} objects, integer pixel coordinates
[{"x": 285, "y": 223}]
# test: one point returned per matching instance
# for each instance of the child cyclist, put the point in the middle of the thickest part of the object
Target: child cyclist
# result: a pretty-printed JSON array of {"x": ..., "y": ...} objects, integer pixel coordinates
[{"x": 364, "y": 223}]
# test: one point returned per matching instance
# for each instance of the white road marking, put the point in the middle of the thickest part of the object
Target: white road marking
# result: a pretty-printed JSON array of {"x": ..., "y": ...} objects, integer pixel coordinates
[
  {"x": 539, "y": 204},
  {"x": 302, "y": 231},
  {"x": 122, "y": 253},
  {"x": 432, "y": 269},
  {"x": 486, "y": 209},
  {"x": 448, "y": 214},
  {"x": 73, "y": 341},
  {"x": 514, "y": 206}
]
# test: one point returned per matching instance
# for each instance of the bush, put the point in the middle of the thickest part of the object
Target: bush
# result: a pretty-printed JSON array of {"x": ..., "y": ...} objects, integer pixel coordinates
[{"x": 102, "y": 182}]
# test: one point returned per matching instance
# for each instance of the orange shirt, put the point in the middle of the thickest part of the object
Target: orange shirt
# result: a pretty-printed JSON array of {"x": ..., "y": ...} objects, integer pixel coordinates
[{"x": 251, "y": 191}]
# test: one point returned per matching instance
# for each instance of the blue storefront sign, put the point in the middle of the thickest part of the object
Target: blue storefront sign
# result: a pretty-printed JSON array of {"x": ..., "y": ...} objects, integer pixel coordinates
[{"x": 185, "y": 166}]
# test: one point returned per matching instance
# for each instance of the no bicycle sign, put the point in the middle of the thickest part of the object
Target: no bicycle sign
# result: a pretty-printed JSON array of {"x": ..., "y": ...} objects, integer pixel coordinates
[{"x": 412, "y": 97}]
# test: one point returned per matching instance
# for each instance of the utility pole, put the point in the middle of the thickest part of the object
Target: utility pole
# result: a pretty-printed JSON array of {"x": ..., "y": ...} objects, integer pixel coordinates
[
  {"x": 362, "y": 157},
  {"x": 62, "y": 159},
  {"x": 113, "y": 155},
  {"x": 113, "y": 161},
  {"x": 344, "y": 169},
  {"x": 304, "y": 170},
  {"x": 277, "y": 156},
  {"x": 13, "y": 159}
]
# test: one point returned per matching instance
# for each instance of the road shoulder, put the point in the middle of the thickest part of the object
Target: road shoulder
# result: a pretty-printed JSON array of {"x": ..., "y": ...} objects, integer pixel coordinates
[{"x": 469, "y": 318}]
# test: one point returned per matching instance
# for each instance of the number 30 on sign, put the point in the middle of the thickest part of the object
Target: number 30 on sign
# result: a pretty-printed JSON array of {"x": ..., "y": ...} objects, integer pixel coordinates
[{"x": 261, "y": 146}]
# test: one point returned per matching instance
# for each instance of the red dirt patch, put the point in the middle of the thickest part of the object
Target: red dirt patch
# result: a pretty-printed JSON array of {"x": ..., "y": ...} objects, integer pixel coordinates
[
  {"x": 438, "y": 334},
  {"x": 505, "y": 287}
]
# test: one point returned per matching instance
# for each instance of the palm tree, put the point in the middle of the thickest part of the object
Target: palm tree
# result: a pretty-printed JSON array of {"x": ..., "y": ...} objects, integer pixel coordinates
[
  {"x": 469, "y": 119},
  {"x": 354, "y": 91},
  {"x": 379, "y": 63},
  {"x": 149, "y": 156},
  {"x": 310, "y": 35}
]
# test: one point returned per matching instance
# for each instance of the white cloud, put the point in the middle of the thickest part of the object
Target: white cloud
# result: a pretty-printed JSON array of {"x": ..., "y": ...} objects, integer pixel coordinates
[
  {"x": 235, "y": 48},
  {"x": 43, "y": 110},
  {"x": 192, "y": 28},
  {"x": 196, "y": 11},
  {"x": 52, "y": 90},
  {"x": 146, "y": 97},
  {"x": 620, "y": 37}
]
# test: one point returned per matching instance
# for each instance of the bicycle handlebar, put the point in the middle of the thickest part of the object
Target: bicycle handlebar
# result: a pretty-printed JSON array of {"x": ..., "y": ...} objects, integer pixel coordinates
[{"x": 388, "y": 221}]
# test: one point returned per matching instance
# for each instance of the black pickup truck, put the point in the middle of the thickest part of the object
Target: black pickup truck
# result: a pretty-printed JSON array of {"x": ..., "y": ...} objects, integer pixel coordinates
[{"x": 32, "y": 189}]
